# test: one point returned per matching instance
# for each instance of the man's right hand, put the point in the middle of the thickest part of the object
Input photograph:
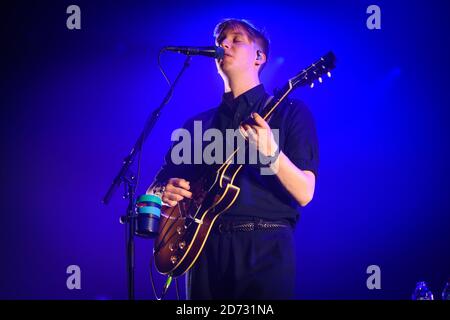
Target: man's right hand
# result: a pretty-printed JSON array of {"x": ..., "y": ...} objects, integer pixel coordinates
[{"x": 176, "y": 190}]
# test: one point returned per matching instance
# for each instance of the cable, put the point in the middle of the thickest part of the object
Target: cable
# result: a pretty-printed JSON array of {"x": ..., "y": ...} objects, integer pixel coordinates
[
  {"x": 166, "y": 285},
  {"x": 142, "y": 146},
  {"x": 138, "y": 174},
  {"x": 169, "y": 278},
  {"x": 161, "y": 68},
  {"x": 151, "y": 278}
]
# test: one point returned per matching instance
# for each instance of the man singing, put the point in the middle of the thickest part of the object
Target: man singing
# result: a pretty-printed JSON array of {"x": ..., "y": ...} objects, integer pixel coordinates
[{"x": 250, "y": 252}]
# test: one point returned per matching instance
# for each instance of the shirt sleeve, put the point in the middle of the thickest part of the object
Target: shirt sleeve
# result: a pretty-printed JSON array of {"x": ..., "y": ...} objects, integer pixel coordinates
[
  {"x": 301, "y": 144},
  {"x": 169, "y": 169}
]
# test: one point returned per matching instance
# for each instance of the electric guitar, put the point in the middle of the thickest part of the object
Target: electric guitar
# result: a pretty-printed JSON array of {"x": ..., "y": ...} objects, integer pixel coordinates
[{"x": 184, "y": 228}]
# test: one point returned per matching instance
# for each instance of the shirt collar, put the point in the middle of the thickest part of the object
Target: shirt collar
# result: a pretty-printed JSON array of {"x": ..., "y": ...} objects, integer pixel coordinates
[{"x": 251, "y": 97}]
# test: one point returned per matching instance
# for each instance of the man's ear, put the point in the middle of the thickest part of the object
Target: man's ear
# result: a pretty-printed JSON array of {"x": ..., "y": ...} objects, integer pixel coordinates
[{"x": 260, "y": 58}]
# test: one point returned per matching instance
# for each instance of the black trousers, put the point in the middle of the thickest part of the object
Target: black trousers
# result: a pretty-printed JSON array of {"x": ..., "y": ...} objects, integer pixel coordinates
[{"x": 255, "y": 265}]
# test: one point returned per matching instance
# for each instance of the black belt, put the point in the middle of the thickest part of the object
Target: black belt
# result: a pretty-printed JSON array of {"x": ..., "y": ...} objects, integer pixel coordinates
[{"x": 245, "y": 226}]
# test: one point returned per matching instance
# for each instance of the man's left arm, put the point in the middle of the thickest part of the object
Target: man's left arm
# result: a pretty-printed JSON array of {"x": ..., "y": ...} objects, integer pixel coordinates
[{"x": 299, "y": 183}]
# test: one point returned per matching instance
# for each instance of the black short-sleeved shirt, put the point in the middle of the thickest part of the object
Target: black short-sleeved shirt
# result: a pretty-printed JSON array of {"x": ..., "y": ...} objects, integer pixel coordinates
[{"x": 261, "y": 196}]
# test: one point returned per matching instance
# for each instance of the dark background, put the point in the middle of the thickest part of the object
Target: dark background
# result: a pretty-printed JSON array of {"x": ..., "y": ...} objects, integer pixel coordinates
[{"x": 74, "y": 101}]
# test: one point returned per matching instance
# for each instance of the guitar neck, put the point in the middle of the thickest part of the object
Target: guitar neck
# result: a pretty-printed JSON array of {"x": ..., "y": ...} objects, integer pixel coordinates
[
  {"x": 304, "y": 78},
  {"x": 279, "y": 97}
]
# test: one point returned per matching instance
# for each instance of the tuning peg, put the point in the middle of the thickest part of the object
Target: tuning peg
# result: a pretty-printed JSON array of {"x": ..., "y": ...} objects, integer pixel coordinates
[
  {"x": 312, "y": 85},
  {"x": 329, "y": 74},
  {"x": 320, "y": 79}
]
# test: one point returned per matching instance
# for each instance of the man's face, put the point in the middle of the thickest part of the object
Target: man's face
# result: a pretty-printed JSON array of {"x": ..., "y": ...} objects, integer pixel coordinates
[{"x": 240, "y": 53}]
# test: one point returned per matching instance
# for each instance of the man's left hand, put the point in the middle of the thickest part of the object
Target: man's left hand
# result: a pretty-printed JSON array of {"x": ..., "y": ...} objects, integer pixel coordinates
[{"x": 260, "y": 135}]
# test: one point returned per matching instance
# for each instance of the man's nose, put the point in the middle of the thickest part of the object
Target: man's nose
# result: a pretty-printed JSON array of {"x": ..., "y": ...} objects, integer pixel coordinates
[{"x": 225, "y": 44}]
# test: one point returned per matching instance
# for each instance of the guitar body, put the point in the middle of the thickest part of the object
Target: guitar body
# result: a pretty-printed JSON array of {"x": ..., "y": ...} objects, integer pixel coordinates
[{"x": 184, "y": 229}]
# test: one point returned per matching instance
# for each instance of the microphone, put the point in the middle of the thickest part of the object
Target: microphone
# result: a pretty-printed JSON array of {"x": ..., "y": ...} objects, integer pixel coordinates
[{"x": 213, "y": 51}]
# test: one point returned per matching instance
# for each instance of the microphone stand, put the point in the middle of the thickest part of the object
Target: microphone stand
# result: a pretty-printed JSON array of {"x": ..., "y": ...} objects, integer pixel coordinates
[{"x": 127, "y": 177}]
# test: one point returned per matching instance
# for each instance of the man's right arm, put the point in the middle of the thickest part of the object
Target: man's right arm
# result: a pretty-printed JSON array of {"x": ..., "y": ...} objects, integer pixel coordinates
[{"x": 171, "y": 182}]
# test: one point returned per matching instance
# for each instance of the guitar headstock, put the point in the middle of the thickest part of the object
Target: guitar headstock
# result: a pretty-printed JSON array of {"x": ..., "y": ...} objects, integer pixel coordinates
[{"x": 314, "y": 72}]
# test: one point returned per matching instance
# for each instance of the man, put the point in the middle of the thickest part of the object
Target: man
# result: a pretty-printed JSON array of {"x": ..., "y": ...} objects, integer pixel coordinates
[{"x": 250, "y": 253}]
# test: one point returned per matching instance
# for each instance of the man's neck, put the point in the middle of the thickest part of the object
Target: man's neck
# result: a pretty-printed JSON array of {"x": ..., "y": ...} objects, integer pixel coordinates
[{"x": 241, "y": 84}]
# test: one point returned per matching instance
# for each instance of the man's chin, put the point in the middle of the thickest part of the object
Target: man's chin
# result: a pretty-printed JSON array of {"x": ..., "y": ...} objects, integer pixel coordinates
[{"x": 226, "y": 68}]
